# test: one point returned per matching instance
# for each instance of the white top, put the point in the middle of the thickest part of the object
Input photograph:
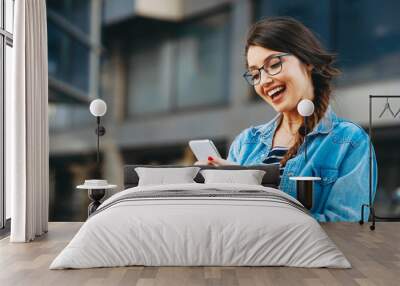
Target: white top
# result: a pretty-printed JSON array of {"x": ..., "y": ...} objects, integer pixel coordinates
[
  {"x": 88, "y": 187},
  {"x": 96, "y": 185},
  {"x": 305, "y": 178}
]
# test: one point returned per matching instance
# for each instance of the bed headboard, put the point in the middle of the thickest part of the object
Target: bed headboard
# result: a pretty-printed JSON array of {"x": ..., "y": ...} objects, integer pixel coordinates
[{"x": 270, "y": 179}]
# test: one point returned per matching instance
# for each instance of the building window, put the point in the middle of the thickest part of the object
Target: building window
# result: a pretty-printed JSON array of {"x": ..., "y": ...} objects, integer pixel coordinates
[
  {"x": 202, "y": 63},
  {"x": 68, "y": 59},
  {"x": 367, "y": 37},
  {"x": 149, "y": 83},
  {"x": 6, "y": 62},
  {"x": 188, "y": 67},
  {"x": 76, "y": 12},
  {"x": 74, "y": 45}
]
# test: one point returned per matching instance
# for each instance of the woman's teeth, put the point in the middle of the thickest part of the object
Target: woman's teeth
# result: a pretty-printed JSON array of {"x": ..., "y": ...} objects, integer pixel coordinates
[{"x": 275, "y": 91}]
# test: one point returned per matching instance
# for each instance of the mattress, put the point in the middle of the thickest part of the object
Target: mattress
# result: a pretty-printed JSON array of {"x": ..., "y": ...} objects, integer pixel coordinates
[{"x": 201, "y": 225}]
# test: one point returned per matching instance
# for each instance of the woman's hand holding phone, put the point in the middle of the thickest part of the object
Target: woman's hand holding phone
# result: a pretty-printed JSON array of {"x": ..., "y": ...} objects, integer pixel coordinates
[
  {"x": 207, "y": 154},
  {"x": 215, "y": 162}
]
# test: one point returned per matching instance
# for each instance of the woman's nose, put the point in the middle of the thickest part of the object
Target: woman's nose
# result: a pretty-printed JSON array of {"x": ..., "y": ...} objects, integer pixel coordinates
[{"x": 265, "y": 78}]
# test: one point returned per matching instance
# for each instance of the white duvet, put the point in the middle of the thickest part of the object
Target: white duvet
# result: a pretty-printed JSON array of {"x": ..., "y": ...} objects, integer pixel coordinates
[{"x": 200, "y": 231}]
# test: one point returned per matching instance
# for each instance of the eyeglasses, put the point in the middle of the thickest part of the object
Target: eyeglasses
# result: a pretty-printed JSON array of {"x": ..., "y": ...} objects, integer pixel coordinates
[{"x": 272, "y": 66}]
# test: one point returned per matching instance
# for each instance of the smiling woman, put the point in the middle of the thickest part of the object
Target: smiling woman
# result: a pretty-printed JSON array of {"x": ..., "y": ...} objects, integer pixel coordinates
[{"x": 285, "y": 64}]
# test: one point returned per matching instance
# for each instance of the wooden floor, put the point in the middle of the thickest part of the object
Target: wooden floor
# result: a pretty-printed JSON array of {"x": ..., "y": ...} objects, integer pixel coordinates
[{"x": 374, "y": 255}]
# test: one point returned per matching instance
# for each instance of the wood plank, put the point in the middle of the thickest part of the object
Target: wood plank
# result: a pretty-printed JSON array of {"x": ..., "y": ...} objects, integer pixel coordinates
[{"x": 374, "y": 255}]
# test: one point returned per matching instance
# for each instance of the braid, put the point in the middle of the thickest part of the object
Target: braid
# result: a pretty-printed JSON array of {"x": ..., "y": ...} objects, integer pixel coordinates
[{"x": 321, "y": 102}]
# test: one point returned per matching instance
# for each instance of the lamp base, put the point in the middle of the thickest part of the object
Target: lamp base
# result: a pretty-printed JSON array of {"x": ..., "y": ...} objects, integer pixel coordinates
[
  {"x": 305, "y": 189},
  {"x": 95, "y": 195}
]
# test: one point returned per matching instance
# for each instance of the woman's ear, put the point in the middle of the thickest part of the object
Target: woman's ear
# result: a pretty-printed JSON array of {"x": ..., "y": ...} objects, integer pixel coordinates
[{"x": 309, "y": 69}]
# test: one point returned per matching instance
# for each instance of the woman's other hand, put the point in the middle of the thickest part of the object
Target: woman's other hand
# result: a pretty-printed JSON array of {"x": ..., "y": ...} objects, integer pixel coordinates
[
  {"x": 202, "y": 163},
  {"x": 215, "y": 161}
]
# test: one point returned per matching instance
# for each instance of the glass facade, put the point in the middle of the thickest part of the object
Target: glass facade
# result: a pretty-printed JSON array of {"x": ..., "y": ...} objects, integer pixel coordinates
[
  {"x": 202, "y": 67},
  {"x": 71, "y": 48},
  {"x": 149, "y": 79},
  {"x": 368, "y": 46},
  {"x": 68, "y": 58},
  {"x": 75, "y": 12},
  {"x": 188, "y": 68}
]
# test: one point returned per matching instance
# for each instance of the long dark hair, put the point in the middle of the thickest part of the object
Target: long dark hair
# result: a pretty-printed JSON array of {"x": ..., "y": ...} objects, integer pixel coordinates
[{"x": 286, "y": 34}]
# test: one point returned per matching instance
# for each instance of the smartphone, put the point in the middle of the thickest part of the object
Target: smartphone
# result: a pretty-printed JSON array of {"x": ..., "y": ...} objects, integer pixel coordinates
[{"x": 204, "y": 148}]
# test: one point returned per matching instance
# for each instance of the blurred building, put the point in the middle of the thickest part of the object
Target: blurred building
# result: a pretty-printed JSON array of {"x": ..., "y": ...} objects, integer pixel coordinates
[
  {"x": 74, "y": 41},
  {"x": 171, "y": 71}
]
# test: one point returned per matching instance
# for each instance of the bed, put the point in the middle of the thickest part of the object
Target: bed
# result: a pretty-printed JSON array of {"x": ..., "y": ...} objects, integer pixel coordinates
[{"x": 198, "y": 224}]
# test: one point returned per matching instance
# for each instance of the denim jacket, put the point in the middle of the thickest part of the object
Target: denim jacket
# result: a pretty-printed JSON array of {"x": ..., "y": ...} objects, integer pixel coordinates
[{"x": 337, "y": 151}]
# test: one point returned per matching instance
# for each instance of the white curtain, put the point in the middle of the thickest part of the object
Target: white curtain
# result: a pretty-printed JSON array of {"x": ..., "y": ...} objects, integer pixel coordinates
[{"x": 27, "y": 148}]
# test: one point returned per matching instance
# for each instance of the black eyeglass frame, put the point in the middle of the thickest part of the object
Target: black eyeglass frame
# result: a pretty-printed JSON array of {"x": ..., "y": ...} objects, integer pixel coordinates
[{"x": 279, "y": 56}]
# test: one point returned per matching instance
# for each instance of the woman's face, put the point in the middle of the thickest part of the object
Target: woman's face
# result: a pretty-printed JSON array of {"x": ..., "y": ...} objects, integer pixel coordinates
[{"x": 294, "y": 77}]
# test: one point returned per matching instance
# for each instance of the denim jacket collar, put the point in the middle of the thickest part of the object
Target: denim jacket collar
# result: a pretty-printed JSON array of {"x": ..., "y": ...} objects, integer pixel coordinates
[{"x": 324, "y": 126}]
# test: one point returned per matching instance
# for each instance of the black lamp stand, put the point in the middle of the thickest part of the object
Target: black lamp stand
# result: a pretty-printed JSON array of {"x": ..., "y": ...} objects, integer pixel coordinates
[
  {"x": 100, "y": 131},
  {"x": 305, "y": 138}
]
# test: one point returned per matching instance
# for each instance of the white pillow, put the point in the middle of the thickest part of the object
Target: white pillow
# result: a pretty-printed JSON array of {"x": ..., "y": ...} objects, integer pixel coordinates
[
  {"x": 248, "y": 177},
  {"x": 163, "y": 176}
]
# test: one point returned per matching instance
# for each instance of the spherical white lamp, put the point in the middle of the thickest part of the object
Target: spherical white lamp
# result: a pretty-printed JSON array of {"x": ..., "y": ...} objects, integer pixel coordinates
[
  {"x": 305, "y": 107},
  {"x": 98, "y": 108}
]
